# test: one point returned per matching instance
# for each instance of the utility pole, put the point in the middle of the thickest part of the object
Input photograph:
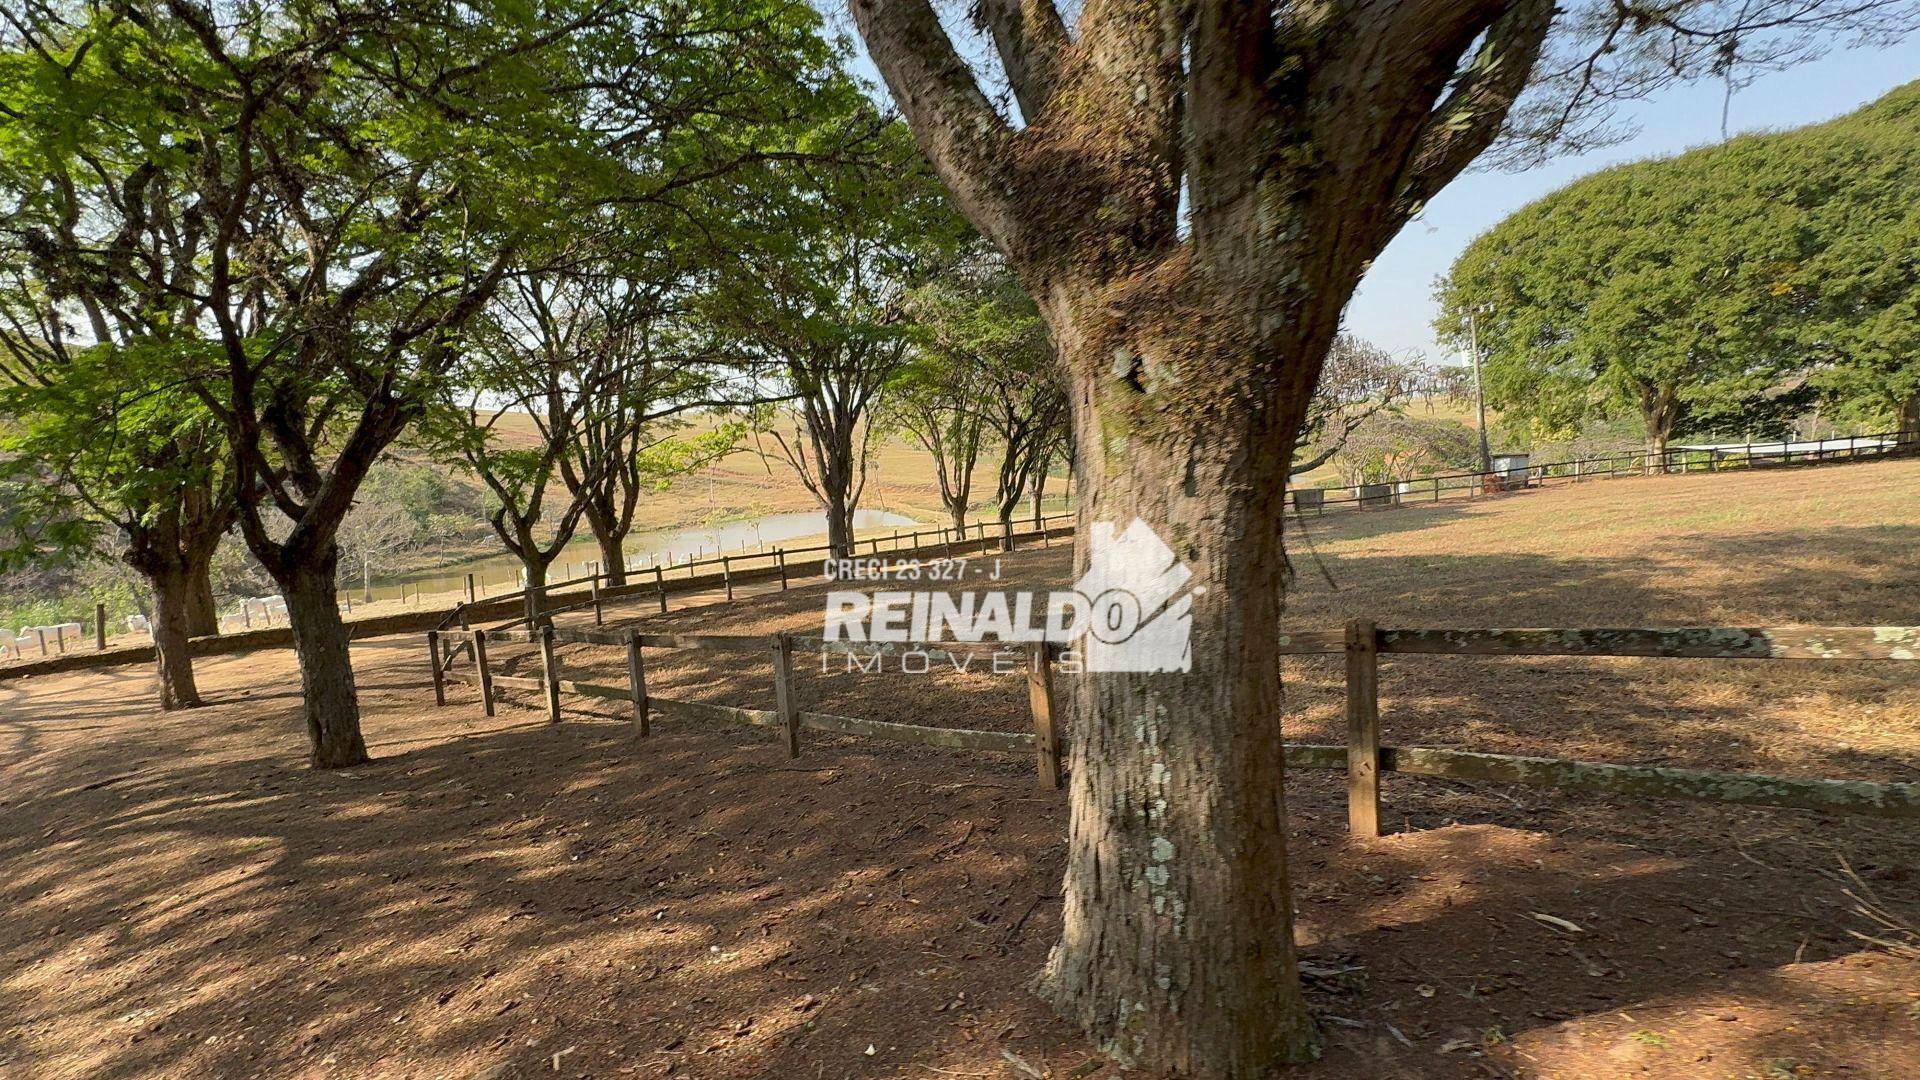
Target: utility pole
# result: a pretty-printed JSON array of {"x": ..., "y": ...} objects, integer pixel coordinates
[{"x": 1479, "y": 394}]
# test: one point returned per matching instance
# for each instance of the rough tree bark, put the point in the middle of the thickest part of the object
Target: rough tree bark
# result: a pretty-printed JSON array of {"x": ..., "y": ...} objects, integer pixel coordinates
[
  {"x": 613, "y": 558},
  {"x": 172, "y": 548},
  {"x": 1191, "y": 356},
  {"x": 1659, "y": 410},
  {"x": 1907, "y": 421},
  {"x": 330, "y": 700},
  {"x": 173, "y": 604},
  {"x": 839, "y": 520},
  {"x": 203, "y": 611},
  {"x": 533, "y": 568},
  {"x": 1176, "y": 950}
]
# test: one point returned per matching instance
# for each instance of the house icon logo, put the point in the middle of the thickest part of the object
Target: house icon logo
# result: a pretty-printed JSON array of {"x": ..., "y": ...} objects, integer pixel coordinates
[{"x": 1138, "y": 608}]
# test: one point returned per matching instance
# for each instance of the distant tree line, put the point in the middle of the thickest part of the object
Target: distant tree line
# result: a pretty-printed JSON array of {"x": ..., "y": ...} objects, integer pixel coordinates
[{"x": 1722, "y": 293}]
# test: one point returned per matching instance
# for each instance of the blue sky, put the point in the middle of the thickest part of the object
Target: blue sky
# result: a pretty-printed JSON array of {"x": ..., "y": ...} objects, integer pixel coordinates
[{"x": 1394, "y": 307}]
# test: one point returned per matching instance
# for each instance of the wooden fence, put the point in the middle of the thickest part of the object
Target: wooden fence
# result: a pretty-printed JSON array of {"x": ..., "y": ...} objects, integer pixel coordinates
[
  {"x": 444, "y": 647},
  {"x": 1476, "y": 485},
  {"x": 726, "y": 572},
  {"x": 1363, "y": 757}
]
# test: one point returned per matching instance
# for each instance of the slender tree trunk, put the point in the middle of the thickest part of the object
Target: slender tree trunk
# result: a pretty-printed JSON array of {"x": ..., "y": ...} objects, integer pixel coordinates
[
  {"x": 203, "y": 614},
  {"x": 534, "y": 573},
  {"x": 173, "y": 603},
  {"x": 1039, "y": 492},
  {"x": 332, "y": 703},
  {"x": 958, "y": 512},
  {"x": 1907, "y": 419},
  {"x": 1176, "y": 951},
  {"x": 839, "y": 522}
]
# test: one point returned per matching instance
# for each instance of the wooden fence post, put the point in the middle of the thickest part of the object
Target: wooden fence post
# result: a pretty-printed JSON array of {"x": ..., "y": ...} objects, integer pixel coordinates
[
  {"x": 1046, "y": 735},
  {"x": 780, "y": 556},
  {"x": 660, "y": 588},
  {"x": 100, "y": 627},
  {"x": 726, "y": 574},
  {"x": 1043, "y": 531},
  {"x": 1363, "y": 728},
  {"x": 472, "y": 597},
  {"x": 593, "y": 583},
  {"x": 783, "y": 699},
  {"x": 486, "y": 674},
  {"x": 550, "y": 674},
  {"x": 439, "y": 677},
  {"x": 637, "y": 684}
]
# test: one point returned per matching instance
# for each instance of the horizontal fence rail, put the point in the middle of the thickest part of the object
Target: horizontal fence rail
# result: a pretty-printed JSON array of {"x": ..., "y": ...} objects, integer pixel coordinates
[
  {"x": 1364, "y": 758},
  {"x": 442, "y": 645},
  {"x": 1678, "y": 460},
  {"x": 1714, "y": 643}
]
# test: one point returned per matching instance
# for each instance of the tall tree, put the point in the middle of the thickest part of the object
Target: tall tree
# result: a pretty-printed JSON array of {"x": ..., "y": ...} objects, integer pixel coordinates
[
  {"x": 1862, "y": 286},
  {"x": 114, "y": 456},
  {"x": 1027, "y": 410},
  {"x": 981, "y": 345},
  {"x": 1645, "y": 289},
  {"x": 935, "y": 400},
  {"x": 102, "y": 257},
  {"x": 822, "y": 299},
  {"x": 651, "y": 361},
  {"x": 1695, "y": 292},
  {"x": 368, "y": 173},
  {"x": 1191, "y": 195},
  {"x": 570, "y": 354}
]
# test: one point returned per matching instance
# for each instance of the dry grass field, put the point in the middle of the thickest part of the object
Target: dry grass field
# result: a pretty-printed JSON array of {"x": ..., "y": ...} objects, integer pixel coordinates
[
  {"x": 495, "y": 897},
  {"x": 754, "y": 481}
]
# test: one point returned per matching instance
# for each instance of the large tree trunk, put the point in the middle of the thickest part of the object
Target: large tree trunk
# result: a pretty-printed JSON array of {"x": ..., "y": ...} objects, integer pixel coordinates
[
  {"x": 203, "y": 612},
  {"x": 173, "y": 605},
  {"x": 613, "y": 560},
  {"x": 1177, "y": 948},
  {"x": 331, "y": 702},
  {"x": 1659, "y": 408}
]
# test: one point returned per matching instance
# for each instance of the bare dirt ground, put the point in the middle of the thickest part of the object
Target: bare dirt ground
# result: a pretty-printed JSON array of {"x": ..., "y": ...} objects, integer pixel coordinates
[{"x": 503, "y": 898}]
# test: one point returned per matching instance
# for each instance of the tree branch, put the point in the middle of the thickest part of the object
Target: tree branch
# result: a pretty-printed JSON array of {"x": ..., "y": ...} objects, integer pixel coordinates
[
  {"x": 1471, "y": 116},
  {"x": 955, "y": 125},
  {"x": 1029, "y": 35}
]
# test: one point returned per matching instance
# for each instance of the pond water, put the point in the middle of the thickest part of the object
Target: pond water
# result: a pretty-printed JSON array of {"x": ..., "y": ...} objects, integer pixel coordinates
[{"x": 501, "y": 573}]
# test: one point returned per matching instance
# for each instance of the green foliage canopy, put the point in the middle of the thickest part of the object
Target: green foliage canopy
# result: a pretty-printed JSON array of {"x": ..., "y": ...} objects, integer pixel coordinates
[{"x": 1695, "y": 291}]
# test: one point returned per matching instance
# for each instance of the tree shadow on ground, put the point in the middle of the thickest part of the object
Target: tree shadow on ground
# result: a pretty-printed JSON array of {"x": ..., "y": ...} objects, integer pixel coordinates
[
  {"x": 186, "y": 899},
  {"x": 503, "y": 891}
]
